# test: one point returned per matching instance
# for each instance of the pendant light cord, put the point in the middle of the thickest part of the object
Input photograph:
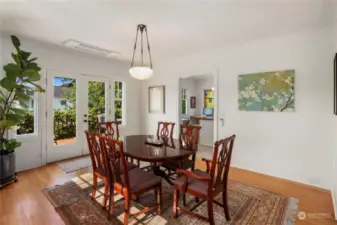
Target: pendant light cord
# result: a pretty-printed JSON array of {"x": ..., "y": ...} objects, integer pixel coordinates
[
  {"x": 134, "y": 48},
  {"x": 141, "y": 29}
]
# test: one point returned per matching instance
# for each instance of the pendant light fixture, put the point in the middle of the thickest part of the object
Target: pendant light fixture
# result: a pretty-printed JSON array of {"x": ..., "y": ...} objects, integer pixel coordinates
[{"x": 141, "y": 72}]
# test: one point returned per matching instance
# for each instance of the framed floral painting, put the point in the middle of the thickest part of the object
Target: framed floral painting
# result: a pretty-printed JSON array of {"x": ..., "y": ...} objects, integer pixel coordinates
[{"x": 267, "y": 91}]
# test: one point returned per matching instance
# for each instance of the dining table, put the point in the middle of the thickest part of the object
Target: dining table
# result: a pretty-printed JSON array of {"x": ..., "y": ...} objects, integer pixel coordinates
[{"x": 155, "y": 150}]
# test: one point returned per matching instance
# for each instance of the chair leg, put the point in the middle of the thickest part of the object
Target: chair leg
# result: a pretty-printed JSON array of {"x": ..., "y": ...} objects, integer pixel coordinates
[
  {"x": 94, "y": 187},
  {"x": 184, "y": 199},
  {"x": 159, "y": 200},
  {"x": 175, "y": 202},
  {"x": 111, "y": 203},
  {"x": 225, "y": 204},
  {"x": 127, "y": 208},
  {"x": 106, "y": 193},
  {"x": 210, "y": 212}
]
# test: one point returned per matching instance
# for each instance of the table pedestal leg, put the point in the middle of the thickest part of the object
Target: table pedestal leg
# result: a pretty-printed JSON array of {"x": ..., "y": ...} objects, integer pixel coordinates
[{"x": 157, "y": 171}]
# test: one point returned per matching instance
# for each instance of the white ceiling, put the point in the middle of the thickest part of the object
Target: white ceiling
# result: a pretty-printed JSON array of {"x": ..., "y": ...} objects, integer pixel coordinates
[{"x": 176, "y": 28}]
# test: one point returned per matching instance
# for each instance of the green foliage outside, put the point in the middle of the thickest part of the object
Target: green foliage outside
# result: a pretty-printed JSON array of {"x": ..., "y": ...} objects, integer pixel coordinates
[
  {"x": 20, "y": 78},
  {"x": 27, "y": 126}
]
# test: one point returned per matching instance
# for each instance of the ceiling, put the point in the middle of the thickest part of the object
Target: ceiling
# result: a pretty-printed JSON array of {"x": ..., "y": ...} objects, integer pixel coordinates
[{"x": 176, "y": 28}]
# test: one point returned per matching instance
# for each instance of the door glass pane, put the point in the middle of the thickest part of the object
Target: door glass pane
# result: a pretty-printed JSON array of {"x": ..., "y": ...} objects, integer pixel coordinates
[
  {"x": 96, "y": 104},
  {"x": 64, "y": 106},
  {"x": 28, "y": 125},
  {"x": 118, "y": 111}
]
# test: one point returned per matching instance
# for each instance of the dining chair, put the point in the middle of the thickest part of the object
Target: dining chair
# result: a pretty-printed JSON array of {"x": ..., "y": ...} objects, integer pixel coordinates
[
  {"x": 109, "y": 129},
  {"x": 165, "y": 130},
  {"x": 98, "y": 165},
  {"x": 129, "y": 183},
  {"x": 188, "y": 139},
  {"x": 207, "y": 185}
]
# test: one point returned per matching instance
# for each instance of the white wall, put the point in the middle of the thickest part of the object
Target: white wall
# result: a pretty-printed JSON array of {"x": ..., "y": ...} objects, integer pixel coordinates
[
  {"x": 52, "y": 57},
  {"x": 297, "y": 146}
]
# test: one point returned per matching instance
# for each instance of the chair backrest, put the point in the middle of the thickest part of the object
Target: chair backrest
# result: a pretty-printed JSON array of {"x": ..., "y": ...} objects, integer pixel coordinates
[
  {"x": 189, "y": 136},
  {"x": 165, "y": 130},
  {"x": 109, "y": 129},
  {"x": 96, "y": 153},
  {"x": 114, "y": 158},
  {"x": 221, "y": 161}
]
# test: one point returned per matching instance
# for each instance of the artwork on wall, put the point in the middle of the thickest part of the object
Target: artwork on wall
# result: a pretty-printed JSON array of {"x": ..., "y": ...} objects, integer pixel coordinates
[
  {"x": 335, "y": 85},
  {"x": 268, "y": 91},
  {"x": 157, "y": 99},
  {"x": 193, "y": 102}
]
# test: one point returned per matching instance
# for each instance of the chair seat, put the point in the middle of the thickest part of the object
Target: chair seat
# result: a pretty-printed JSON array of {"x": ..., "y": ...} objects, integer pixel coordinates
[
  {"x": 194, "y": 184},
  {"x": 140, "y": 180},
  {"x": 129, "y": 165},
  {"x": 175, "y": 164}
]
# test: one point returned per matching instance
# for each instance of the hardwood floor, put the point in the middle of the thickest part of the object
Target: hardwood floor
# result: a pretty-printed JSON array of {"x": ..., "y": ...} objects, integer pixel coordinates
[{"x": 23, "y": 203}]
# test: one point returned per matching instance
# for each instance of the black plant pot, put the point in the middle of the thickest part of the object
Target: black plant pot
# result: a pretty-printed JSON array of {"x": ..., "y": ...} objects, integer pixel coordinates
[{"x": 7, "y": 168}]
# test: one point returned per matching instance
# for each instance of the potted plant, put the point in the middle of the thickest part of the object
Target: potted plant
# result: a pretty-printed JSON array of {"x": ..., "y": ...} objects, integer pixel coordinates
[{"x": 20, "y": 79}]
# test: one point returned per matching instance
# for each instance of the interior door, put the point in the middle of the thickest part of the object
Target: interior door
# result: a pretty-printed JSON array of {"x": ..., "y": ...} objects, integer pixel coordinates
[
  {"x": 64, "y": 115},
  {"x": 95, "y": 103}
]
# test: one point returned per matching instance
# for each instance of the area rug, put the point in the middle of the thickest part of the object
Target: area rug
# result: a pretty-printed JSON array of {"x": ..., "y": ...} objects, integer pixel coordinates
[
  {"x": 72, "y": 165},
  {"x": 247, "y": 205}
]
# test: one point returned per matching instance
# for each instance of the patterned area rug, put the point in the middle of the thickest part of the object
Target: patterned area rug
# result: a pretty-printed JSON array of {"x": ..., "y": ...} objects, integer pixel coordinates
[{"x": 247, "y": 204}]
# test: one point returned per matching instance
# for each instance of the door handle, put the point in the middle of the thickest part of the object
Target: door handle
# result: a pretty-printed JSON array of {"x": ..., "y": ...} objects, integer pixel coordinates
[
  {"x": 85, "y": 115},
  {"x": 85, "y": 121}
]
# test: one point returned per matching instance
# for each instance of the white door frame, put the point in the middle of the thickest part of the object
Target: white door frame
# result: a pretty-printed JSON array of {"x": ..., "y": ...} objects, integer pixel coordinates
[{"x": 215, "y": 75}]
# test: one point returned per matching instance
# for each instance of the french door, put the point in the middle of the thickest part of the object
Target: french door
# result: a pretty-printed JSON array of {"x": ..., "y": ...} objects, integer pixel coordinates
[{"x": 75, "y": 102}]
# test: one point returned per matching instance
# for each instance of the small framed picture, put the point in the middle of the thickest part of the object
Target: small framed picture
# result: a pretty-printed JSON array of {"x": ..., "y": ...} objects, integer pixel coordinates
[
  {"x": 193, "y": 102},
  {"x": 157, "y": 99}
]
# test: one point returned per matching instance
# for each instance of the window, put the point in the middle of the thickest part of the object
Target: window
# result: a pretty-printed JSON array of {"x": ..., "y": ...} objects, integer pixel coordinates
[
  {"x": 28, "y": 126},
  {"x": 119, "y": 102},
  {"x": 183, "y": 101},
  {"x": 209, "y": 98}
]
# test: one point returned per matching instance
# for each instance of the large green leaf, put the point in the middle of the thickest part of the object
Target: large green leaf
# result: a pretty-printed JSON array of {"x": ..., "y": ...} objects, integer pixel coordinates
[
  {"x": 8, "y": 83},
  {"x": 5, "y": 124},
  {"x": 14, "y": 118},
  {"x": 18, "y": 111},
  {"x": 20, "y": 96},
  {"x": 32, "y": 60},
  {"x": 16, "y": 59},
  {"x": 12, "y": 70},
  {"x": 31, "y": 75},
  {"x": 33, "y": 66},
  {"x": 15, "y": 41},
  {"x": 24, "y": 55}
]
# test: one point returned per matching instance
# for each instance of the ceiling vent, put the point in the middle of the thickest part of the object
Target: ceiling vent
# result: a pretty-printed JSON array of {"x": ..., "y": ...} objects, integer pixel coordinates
[{"x": 90, "y": 48}]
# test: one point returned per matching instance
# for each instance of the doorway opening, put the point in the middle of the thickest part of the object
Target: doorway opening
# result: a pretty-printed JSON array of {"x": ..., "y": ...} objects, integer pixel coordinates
[{"x": 197, "y": 106}]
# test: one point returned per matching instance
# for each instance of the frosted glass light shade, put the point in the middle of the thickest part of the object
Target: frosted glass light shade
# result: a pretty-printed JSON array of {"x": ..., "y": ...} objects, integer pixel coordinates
[{"x": 140, "y": 72}]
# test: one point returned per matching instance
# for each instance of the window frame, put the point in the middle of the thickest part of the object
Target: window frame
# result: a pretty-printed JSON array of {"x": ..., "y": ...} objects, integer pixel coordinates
[{"x": 123, "y": 101}]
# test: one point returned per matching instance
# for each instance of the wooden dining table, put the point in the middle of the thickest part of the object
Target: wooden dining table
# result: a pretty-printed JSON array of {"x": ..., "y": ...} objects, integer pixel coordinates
[{"x": 135, "y": 147}]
